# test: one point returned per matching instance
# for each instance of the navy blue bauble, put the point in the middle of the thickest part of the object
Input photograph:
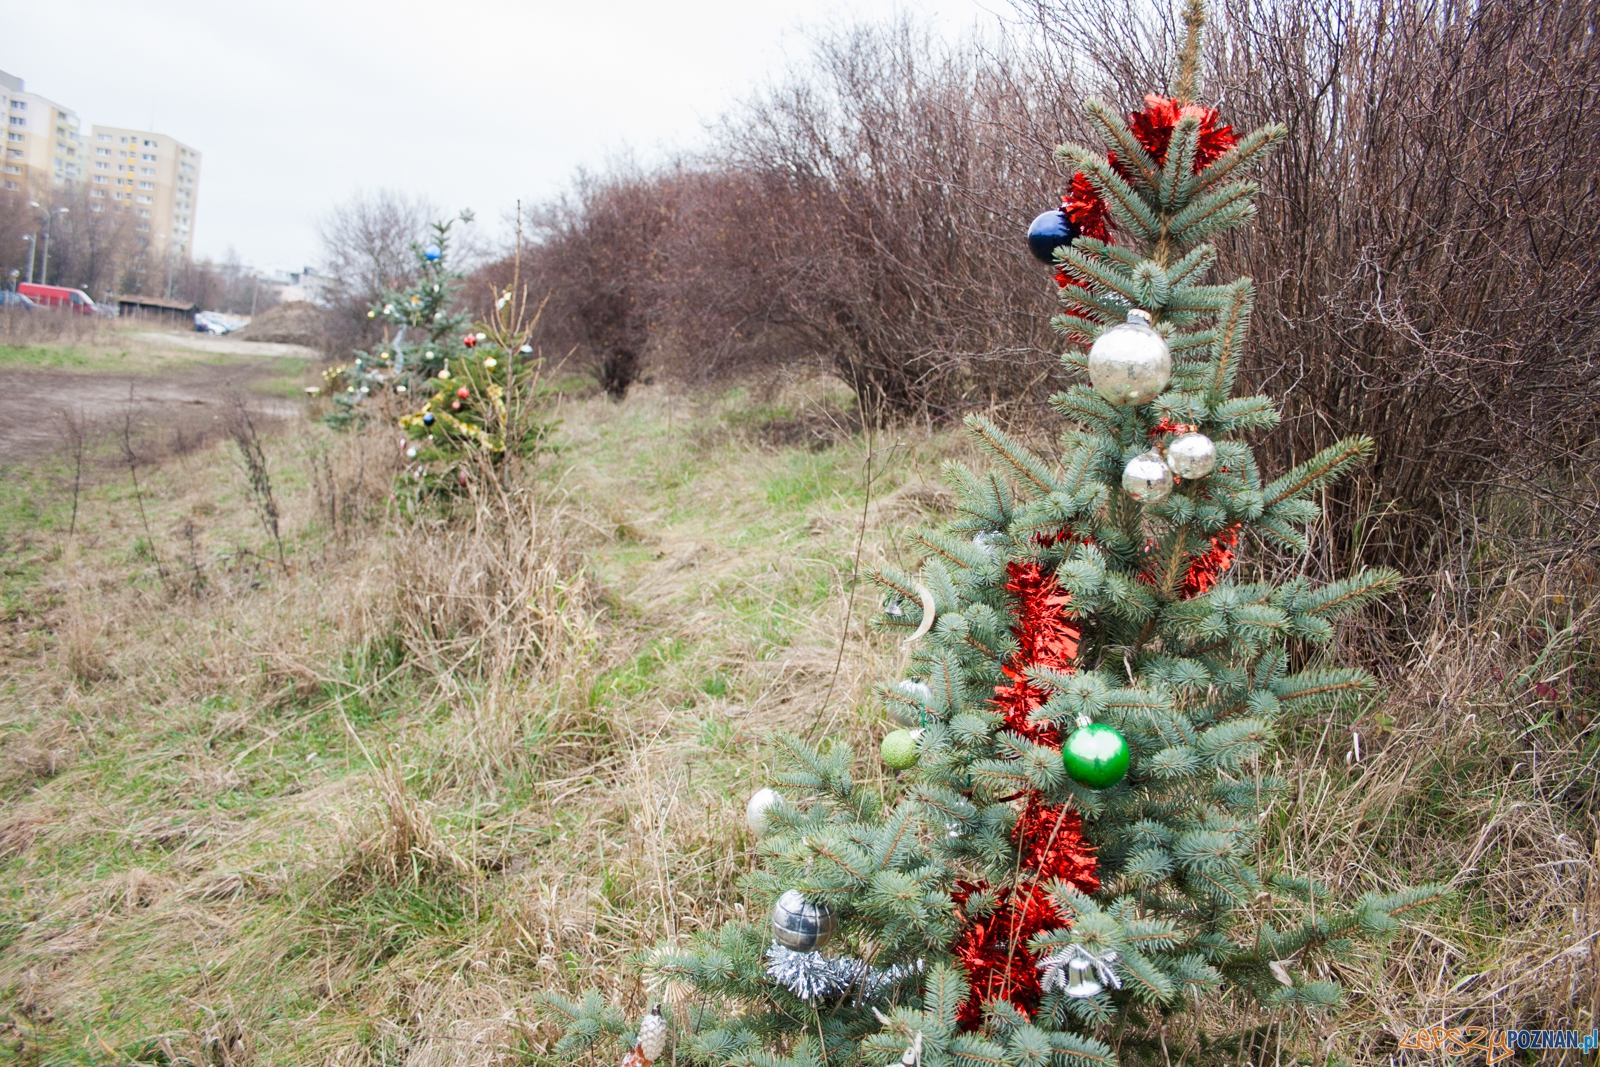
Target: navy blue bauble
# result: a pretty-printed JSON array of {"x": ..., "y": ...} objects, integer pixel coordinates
[
  {"x": 1049, "y": 232},
  {"x": 432, "y": 253},
  {"x": 427, "y": 419}
]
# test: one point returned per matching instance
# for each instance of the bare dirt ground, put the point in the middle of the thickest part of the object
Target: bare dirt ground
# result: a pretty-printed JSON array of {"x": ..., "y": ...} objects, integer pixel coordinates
[{"x": 184, "y": 399}]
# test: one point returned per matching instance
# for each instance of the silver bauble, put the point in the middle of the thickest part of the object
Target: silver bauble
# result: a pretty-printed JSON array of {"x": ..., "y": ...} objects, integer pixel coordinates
[
  {"x": 1147, "y": 479},
  {"x": 916, "y": 692},
  {"x": 801, "y": 925},
  {"x": 1130, "y": 363},
  {"x": 1191, "y": 455},
  {"x": 755, "y": 812}
]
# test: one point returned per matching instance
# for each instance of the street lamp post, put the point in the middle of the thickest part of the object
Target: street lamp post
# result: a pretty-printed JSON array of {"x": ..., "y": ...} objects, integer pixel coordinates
[
  {"x": 33, "y": 246},
  {"x": 44, "y": 267}
]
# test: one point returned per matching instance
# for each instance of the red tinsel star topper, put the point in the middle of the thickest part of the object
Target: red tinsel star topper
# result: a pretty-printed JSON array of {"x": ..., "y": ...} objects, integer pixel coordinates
[{"x": 1153, "y": 128}]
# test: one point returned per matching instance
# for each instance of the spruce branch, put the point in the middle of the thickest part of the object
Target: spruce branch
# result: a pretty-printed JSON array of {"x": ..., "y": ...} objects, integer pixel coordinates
[
  {"x": 1325, "y": 467},
  {"x": 1127, "y": 205},
  {"x": 1188, "y": 84},
  {"x": 1243, "y": 155},
  {"x": 1027, "y": 466},
  {"x": 1132, "y": 154}
]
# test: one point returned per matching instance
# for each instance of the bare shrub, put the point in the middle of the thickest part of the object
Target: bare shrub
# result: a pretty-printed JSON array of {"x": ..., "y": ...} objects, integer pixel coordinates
[
  {"x": 258, "y": 479},
  {"x": 366, "y": 250}
]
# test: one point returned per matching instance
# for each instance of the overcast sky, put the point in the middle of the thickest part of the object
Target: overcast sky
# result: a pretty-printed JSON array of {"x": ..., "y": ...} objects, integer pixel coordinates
[{"x": 295, "y": 105}]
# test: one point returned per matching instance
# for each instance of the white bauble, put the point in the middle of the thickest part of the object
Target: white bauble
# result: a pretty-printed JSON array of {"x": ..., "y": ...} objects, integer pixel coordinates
[
  {"x": 1191, "y": 455},
  {"x": 1130, "y": 363},
  {"x": 755, "y": 812},
  {"x": 1147, "y": 479}
]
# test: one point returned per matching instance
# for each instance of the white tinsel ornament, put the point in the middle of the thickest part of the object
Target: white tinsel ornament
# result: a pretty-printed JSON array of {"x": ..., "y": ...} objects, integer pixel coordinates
[
  {"x": 800, "y": 924},
  {"x": 1191, "y": 455},
  {"x": 755, "y": 812},
  {"x": 1147, "y": 479},
  {"x": 653, "y": 1035},
  {"x": 1130, "y": 363}
]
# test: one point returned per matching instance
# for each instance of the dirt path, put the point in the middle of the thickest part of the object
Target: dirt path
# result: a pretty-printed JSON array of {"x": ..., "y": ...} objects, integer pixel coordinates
[{"x": 186, "y": 400}]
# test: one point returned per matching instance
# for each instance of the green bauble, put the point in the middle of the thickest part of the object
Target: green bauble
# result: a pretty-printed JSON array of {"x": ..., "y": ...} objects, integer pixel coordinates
[
  {"x": 1095, "y": 756},
  {"x": 900, "y": 749}
]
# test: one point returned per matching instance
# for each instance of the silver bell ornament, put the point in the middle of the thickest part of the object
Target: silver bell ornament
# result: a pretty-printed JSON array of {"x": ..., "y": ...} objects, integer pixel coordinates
[
  {"x": 1130, "y": 363},
  {"x": 1147, "y": 478},
  {"x": 755, "y": 812},
  {"x": 1080, "y": 979},
  {"x": 1191, "y": 455},
  {"x": 801, "y": 925}
]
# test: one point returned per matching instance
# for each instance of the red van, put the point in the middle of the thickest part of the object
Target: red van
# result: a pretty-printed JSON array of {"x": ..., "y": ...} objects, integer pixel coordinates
[{"x": 58, "y": 296}]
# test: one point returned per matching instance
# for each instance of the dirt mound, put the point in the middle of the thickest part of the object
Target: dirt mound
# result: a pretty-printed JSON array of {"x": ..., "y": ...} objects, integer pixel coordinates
[{"x": 294, "y": 323}]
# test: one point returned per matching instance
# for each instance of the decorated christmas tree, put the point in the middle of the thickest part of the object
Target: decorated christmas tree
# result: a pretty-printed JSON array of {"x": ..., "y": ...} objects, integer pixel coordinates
[
  {"x": 423, "y": 328},
  {"x": 1076, "y": 849}
]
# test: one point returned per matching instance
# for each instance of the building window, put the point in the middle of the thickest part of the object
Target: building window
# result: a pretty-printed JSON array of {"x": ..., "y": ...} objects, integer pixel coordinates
[
  {"x": 148, "y": 170},
  {"x": 99, "y": 193},
  {"x": 16, "y": 136},
  {"x": 13, "y": 186},
  {"x": 147, "y": 185},
  {"x": 13, "y": 153},
  {"x": 102, "y": 166},
  {"x": 20, "y": 105},
  {"x": 143, "y": 227},
  {"x": 144, "y": 200},
  {"x": 97, "y": 207},
  {"x": 18, "y": 120},
  {"x": 101, "y": 179},
  {"x": 102, "y": 151},
  {"x": 144, "y": 213},
  {"x": 147, "y": 157},
  {"x": 10, "y": 169},
  {"x": 103, "y": 137}
]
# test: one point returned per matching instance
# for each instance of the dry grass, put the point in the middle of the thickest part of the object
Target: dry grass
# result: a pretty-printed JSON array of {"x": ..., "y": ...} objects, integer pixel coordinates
[{"x": 357, "y": 813}]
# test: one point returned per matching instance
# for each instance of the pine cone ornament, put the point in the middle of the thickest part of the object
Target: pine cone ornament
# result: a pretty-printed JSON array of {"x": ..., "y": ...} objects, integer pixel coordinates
[{"x": 652, "y": 1040}]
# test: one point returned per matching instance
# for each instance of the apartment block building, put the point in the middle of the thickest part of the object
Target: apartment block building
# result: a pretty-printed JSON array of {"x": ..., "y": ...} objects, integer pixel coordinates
[
  {"x": 43, "y": 149},
  {"x": 153, "y": 176}
]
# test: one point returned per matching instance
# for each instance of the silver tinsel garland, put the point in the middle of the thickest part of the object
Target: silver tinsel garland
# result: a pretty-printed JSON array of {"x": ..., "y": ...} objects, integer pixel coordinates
[{"x": 811, "y": 975}]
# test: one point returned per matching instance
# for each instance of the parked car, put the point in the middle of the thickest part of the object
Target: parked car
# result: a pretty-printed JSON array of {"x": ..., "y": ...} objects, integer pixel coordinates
[
  {"x": 10, "y": 301},
  {"x": 58, "y": 296},
  {"x": 219, "y": 322}
]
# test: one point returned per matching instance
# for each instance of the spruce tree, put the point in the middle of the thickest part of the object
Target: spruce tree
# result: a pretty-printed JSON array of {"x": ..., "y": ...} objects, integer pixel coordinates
[
  {"x": 1010, "y": 903},
  {"x": 423, "y": 329}
]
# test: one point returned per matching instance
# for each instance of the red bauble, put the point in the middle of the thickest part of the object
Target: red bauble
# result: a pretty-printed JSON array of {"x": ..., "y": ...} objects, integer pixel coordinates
[
  {"x": 470, "y": 340},
  {"x": 462, "y": 392}
]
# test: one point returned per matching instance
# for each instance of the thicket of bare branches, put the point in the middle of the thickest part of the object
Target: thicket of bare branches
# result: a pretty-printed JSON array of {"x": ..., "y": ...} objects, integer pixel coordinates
[{"x": 1424, "y": 257}]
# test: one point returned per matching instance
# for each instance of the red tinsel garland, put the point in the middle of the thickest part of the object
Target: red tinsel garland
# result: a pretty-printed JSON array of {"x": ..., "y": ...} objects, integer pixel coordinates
[
  {"x": 1049, "y": 839},
  {"x": 1206, "y": 568}
]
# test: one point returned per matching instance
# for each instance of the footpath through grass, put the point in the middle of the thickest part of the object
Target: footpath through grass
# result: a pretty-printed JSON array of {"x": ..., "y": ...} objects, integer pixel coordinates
[
  {"x": 358, "y": 809},
  {"x": 235, "y": 819}
]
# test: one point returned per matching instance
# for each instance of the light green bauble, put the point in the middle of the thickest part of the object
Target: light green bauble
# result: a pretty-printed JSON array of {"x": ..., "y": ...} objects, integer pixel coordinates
[{"x": 900, "y": 749}]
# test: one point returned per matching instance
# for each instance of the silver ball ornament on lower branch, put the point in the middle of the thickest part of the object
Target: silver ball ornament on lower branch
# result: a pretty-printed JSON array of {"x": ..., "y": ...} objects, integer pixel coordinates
[
  {"x": 755, "y": 812},
  {"x": 1130, "y": 363},
  {"x": 802, "y": 925},
  {"x": 1191, "y": 455},
  {"x": 1147, "y": 478}
]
